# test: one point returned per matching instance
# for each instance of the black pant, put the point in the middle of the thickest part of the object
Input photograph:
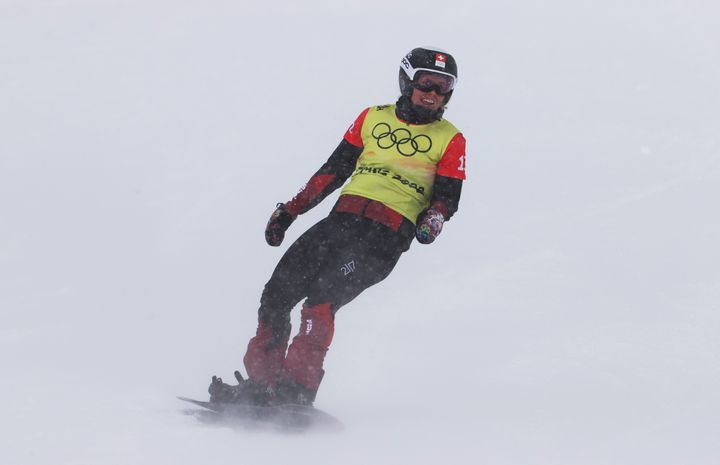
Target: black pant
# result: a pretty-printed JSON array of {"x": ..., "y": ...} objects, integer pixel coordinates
[{"x": 332, "y": 262}]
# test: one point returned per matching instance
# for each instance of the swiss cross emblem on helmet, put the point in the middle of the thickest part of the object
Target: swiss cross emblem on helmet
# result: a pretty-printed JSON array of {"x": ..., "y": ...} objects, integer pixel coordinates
[{"x": 440, "y": 60}]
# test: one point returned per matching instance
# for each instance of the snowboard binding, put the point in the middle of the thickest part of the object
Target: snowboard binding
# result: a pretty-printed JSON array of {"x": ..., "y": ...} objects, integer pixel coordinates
[{"x": 246, "y": 391}]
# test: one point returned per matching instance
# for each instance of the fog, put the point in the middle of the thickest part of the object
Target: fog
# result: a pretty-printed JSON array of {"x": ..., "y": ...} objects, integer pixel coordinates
[{"x": 568, "y": 314}]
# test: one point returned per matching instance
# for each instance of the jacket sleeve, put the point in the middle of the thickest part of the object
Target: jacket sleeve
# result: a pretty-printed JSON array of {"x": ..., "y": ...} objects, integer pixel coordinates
[
  {"x": 446, "y": 195},
  {"x": 449, "y": 178},
  {"x": 333, "y": 174}
]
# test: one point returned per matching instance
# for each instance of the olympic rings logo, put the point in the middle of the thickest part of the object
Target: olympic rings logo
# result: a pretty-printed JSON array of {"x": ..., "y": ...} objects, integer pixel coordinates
[{"x": 406, "y": 144}]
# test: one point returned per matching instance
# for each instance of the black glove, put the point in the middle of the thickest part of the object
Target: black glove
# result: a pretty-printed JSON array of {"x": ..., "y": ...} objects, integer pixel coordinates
[
  {"x": 429, "y": 225},
  {"x": 279, "y": 221}
]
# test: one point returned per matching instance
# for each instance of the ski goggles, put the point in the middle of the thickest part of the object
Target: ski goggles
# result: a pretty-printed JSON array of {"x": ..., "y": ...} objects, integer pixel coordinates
[{"x": 441, "y": 83}]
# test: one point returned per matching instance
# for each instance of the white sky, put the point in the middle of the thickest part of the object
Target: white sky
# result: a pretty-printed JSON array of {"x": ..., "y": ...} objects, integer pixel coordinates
[{"x": 568, "y": 315}]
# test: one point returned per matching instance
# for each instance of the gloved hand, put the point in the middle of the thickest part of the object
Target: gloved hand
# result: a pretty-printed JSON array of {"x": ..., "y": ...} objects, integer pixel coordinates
[
  {"x": 279, "y": 221},
  {"x": 429, "y": 225}
]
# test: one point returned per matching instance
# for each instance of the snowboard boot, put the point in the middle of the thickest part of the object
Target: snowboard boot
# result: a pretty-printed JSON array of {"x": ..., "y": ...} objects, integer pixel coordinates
[
  {"x": 288, "y": 391},
  {"x": 246, "y": 391}
]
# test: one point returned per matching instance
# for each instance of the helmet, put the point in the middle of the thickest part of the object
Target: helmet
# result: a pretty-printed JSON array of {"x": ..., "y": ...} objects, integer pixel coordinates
[{"x": 427, "y": 60}]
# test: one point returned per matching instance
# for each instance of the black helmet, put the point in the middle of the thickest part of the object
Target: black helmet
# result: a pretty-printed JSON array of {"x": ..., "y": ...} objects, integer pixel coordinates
[{"x": 427, "y": 59}]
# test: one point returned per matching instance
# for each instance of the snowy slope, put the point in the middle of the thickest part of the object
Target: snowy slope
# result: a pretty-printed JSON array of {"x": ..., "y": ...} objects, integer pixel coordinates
[{"x": 568, "y": 315}]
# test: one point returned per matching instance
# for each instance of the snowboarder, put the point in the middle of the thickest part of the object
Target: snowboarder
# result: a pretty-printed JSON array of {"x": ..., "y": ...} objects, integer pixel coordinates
[{"x": 406, "y": 166}]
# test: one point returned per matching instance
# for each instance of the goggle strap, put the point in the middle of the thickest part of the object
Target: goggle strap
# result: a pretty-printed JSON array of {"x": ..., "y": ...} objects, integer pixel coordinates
[{"x": 411, "y": 72}]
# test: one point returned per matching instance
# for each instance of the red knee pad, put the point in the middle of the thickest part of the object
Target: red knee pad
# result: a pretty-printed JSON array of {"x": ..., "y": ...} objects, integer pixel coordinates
[
  {"x": 306, "y": 354},
  {"x": 264, "y": 364}
]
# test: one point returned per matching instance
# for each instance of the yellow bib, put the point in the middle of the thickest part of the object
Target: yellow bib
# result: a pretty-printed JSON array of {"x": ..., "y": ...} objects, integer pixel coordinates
[{"x": 398, "y": 162}]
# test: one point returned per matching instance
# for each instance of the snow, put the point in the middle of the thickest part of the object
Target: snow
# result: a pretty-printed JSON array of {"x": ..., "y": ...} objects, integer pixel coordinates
[{"x": 568, "y": 315}]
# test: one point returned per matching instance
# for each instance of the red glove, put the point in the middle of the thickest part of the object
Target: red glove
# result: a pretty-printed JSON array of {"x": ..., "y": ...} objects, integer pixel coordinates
[
  {"x": 279, "y": 222},
  {"x": 429, "y": 225}
]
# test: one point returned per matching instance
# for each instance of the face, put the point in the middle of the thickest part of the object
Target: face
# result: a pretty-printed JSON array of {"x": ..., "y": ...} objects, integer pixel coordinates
[
  {"x": 430, "y": 100},
  {"x": 430, "y": 90}
]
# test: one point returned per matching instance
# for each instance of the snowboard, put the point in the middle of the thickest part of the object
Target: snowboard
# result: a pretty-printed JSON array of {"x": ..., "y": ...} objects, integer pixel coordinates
[{"x": 285, "y": 417}]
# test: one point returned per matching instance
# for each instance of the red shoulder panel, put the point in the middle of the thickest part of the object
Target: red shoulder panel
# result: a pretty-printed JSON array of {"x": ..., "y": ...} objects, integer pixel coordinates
[
  {"x": 354, "y": 133},
  {"x": 452, "y": 163}
]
